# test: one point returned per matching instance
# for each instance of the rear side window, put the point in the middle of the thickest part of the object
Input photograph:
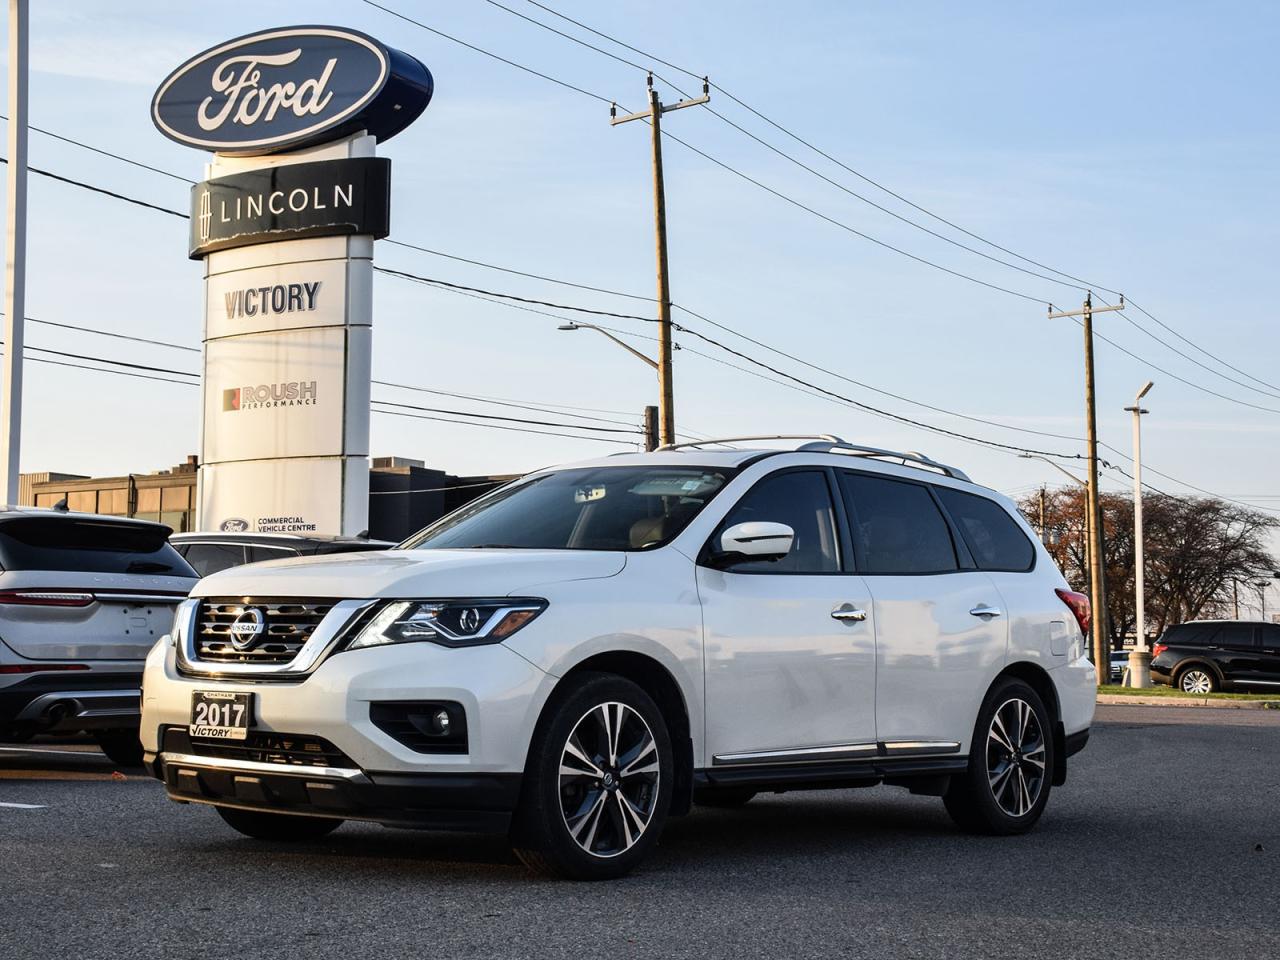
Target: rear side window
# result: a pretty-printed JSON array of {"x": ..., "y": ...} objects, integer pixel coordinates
[
  {"x": 1237, "y": 635},
  {"x": 897, "y": 527},
  {"x": 994, "y": 538},
  {"x": 801, "y": 500},
  {"x": 209, "y": 558},
  {"x": 1271, "y": 637},
  {"x": 1190, "y": 634},
  {"x": 88, "y": 546}
]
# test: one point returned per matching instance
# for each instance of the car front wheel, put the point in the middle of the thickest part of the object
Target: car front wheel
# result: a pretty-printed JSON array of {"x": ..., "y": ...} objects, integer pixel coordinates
[
  {"x": 598, "y": 782},
  {"x": 1006, "y": 787}
]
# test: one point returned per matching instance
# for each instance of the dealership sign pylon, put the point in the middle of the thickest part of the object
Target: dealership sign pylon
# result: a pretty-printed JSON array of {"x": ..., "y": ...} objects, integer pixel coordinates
[{"x": 285, "y": 222}]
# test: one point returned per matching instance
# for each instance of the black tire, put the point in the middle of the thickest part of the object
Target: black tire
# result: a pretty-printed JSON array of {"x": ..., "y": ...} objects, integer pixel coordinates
[
  {"x": 609, "y": 842},
  {"x": 122, "y": 747},
  {"x": 1197, "y": 675},
  {"x": 278, "y": 827},
  {"x": 1007, "y": 784},
  {"x": 724, "y": 797}
]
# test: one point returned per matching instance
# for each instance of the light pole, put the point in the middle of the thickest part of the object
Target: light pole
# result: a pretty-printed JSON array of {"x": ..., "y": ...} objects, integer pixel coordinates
[
  {"x": 1140, "y": 655},
  {"x": 652, "y": 421},
  {"x": 16, "y": 255}
]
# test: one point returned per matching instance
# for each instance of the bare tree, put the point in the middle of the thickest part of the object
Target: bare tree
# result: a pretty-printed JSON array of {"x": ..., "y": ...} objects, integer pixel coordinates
[{"x": 1196, "y": 549}]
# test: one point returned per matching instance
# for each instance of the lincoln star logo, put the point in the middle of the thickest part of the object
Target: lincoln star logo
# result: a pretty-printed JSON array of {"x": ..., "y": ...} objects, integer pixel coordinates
[
  {"x": 247, "y": 628},
  {"x": 205, "y": 215}
]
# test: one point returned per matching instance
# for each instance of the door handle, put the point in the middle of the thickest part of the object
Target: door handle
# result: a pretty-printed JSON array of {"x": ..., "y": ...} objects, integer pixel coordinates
[
  {"x": 984, "y": 611},
  {"x": 847, "y": 613}
]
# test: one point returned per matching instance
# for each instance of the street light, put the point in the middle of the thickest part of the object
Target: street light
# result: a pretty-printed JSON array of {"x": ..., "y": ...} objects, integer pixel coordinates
[
  {"x": 652, "y": 415},
  {"x": 1140, "y": 655}
]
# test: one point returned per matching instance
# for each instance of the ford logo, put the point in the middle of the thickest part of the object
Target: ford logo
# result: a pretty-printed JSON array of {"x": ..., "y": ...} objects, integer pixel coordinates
[
  {"x": 234, "y": 525},
  {"x": 290, "y": 88}
]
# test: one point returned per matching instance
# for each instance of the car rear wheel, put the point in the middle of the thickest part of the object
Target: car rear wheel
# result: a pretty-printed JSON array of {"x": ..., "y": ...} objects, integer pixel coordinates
[
  {"x": 1006, "y": 787},
  {"x": 122, "y": 747},
  {"x": 279, "y": 827},
  {"x": 1197, "y": 679},
  {"x": 598, "y": 782}
]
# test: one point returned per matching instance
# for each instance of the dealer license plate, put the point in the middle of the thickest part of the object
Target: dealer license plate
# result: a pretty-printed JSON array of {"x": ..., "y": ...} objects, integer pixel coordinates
[{"x": 216, "y": 715}]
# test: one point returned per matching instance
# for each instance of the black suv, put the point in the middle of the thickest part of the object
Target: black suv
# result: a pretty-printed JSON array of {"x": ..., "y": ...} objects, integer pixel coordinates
[
  {"x": 1207, "y": 655},
  {"x": 211, "y": 552}
]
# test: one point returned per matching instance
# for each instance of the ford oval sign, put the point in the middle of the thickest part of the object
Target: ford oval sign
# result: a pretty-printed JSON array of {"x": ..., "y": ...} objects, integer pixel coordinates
[{"x": 290, "y": 88}]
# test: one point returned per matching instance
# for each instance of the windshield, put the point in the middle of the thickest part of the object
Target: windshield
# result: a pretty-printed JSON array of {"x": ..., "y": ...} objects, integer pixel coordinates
[{"x": 597, "y": 508}]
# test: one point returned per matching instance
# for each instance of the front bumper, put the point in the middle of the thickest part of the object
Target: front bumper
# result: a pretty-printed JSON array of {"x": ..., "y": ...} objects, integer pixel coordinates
[{"x": 470, "y": 802}]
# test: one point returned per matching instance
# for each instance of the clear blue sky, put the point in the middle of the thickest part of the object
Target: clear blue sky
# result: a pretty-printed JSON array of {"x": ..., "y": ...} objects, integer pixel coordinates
[{"x": 1132, "y": 145}]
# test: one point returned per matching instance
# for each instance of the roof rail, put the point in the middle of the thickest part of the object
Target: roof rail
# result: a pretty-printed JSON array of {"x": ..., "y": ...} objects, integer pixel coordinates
[
  {"x": 908, "y": 457},
  {"x": 726, "y": 441},
  {"x": 829, "y": 443}
]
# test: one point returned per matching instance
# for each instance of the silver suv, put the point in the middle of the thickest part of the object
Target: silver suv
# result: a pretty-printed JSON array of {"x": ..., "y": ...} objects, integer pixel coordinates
[{"x": 82, "y": 599}]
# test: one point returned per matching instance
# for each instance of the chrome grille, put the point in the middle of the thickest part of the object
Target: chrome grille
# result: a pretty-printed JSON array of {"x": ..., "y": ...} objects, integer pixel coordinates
[{"x": 287, "y": 625}]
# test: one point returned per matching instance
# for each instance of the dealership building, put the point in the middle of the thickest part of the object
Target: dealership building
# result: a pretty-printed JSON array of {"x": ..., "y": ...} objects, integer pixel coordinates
[{"x": 404, "y": 495}]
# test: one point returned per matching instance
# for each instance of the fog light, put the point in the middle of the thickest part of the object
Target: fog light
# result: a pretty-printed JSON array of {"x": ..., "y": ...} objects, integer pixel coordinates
[{"x": 441, "y": 722}]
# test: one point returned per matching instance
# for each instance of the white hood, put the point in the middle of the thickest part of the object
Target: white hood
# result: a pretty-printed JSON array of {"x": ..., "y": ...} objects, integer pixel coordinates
[{"x": 412, "y": 574}]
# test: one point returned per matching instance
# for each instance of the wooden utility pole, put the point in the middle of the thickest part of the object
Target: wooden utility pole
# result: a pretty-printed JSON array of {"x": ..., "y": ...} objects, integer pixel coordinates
[
  {"x": 1097, "y": 571},
  {"x": 1042, "y": 494},
  {"x": 651, "y": 440},
  {"x": 666, "y": 393}
]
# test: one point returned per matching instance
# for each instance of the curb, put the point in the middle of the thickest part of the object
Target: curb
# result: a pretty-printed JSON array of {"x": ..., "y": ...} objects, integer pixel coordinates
[{"x": 1123, "y": 700}]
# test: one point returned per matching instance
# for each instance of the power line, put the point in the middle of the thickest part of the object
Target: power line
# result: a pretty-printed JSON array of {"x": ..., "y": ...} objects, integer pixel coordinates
[
  {"x": 487, "y": 53},
  {"x": 105, "y": 153},
  {"x": 494, "y": 416},
  {"x": 495, "y": 426},
  {"x": 102, "y": 190}
]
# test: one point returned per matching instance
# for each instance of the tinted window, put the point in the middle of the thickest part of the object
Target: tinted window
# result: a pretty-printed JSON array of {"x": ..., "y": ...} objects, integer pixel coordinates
[
  {"x": 1237, "y": 635},
  {"x": 258, "y": 552},
  {"x": 598, "y": 508},
  {"x": 897, "y": 527},
  {"x": 993, "y": 536},
  {"x": 802, "y": 501},
  {"x": 209, "y": 558},
  {"x": 88, "y": 546},
  {"x": 1271, "y": 637},
  {"x": 1190, "y": 634}
]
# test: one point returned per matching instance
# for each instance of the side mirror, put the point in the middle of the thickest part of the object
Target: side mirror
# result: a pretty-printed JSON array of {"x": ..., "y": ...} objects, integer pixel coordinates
[{"x": 757, "y": 540}]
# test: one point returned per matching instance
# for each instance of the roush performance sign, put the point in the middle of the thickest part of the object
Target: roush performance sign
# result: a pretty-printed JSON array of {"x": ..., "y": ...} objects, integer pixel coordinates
[
  {"x": 289, "y": 88},
  {"x": 291, "y": 201}
]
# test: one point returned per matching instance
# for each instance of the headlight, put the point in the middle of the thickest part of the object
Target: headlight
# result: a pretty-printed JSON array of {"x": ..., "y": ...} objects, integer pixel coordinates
[{"x": 450, "y": 623}]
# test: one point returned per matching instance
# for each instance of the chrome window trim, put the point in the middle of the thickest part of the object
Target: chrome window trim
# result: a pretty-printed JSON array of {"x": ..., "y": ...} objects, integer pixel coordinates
[
  {"x": 326, "y": 634},
  {"x": 839, "y": 751},
  {"x": 254, "y": 766}
]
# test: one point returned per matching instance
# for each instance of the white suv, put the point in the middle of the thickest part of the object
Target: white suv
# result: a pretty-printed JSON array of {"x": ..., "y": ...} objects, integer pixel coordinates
[{"x": 592, "y": 648}]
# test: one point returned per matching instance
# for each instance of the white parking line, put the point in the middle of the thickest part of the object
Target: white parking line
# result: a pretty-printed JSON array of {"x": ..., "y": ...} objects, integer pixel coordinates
[
  {"x": 65, "y": 753},
  {"x": 24, "y": 806}
]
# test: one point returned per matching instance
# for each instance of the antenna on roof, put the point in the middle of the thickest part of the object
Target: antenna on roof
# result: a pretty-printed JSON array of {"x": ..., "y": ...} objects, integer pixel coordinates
[{"x": 61, "y": 505}]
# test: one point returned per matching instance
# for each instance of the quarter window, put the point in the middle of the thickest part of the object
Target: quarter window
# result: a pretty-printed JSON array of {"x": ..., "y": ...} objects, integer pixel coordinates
[
  {"x": 993, "y": 536},
  {"x": 209, "y": 558},
  {"x": 897, "y": 527},
  {"x": 801, "y": 500}
]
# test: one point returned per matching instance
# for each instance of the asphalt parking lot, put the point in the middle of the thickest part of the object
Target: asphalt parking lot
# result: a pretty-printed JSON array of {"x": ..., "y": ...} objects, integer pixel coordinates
[{"x": 1165, "y": 842}]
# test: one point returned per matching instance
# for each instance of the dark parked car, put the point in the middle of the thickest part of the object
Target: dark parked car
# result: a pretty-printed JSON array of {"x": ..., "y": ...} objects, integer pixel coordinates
[
  {"x": 211, "y": 552},
  {"x": 1207, "y": 655}
]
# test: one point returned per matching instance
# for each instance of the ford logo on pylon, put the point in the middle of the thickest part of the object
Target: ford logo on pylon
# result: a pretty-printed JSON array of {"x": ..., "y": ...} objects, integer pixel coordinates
[{"x": 289, "y": 88}]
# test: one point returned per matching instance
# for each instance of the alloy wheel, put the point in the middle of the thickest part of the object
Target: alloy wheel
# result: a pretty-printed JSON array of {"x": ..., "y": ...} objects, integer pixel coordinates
[
  {"x": 609, "y": 779},
  {"x": 1197, "y": 681},
  {"x": 1016, "y": 757}
]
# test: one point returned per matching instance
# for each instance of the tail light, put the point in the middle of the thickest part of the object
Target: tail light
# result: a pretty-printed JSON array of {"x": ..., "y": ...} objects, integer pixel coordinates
[
  {"x": 40, "y": 667},
  {"x": 47, "y": 598},
  {"x": 1079, "y": 605},
  {"x": 1157, "y": 649}
]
